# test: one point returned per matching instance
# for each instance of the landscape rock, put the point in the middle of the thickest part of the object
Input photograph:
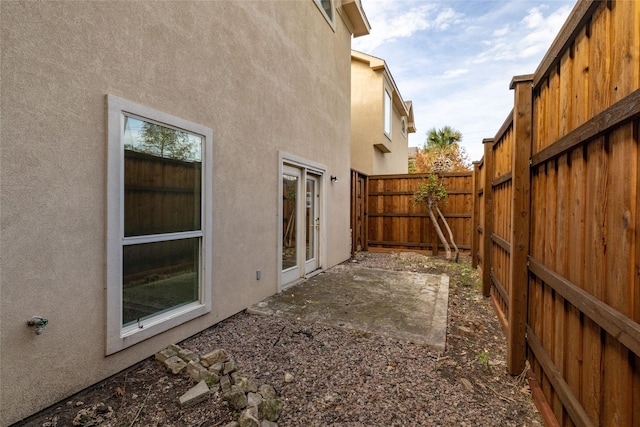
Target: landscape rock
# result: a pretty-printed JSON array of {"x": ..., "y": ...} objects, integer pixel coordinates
[
  {"x": 225, "y": 383},
  {"x": 216, "y": 367},
  {"x": 247, "y": 419},
  {"x": 212, "y": 379},
  {"x": 236, "y": 397},
  {"x": 251, "y": 387},
  {"x": 175, "y": 364},
  {"x": 196, "y": 371},
  {"x": 217, "y": 355},
  {"x": 253, "y": 399},
  {"x": 188, "y": 355},
  {"x": 165, "y": 354},
  {"x": 270, "y": 409},
  {"x": 175, "y": 348},
  {"x": 267, "y": 391},
  {"x": 267, "y": 423},
  {"x": 195, "y": 395},
  {"x": 229, "y": 367}
]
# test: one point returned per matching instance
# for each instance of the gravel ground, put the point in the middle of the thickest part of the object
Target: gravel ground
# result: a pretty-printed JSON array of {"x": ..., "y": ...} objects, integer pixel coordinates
[{"x": 340, "y": 377}]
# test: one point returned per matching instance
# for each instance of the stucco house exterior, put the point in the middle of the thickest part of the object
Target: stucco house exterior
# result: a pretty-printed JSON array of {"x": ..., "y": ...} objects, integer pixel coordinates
[
  {"x": 380, "y": 119},
  {"x": 162, "y": 170}
]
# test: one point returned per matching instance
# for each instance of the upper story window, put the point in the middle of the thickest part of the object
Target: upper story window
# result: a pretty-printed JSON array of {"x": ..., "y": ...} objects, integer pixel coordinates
[
  {"x": 404, "y": 125},
  {"x": 159, "y": 226},
  {"x": 387, "y": 113},
  {"x": 326, "y": 7}
]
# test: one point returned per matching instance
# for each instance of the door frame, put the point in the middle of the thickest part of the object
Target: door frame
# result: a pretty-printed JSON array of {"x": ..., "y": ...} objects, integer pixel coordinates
[{"x": 312, "y": 168}]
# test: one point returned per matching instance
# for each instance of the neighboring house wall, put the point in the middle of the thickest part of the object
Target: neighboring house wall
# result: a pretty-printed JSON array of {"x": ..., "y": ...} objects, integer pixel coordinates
[
  {"x": 373, "y": 150},
  {"x": 218, "y": 65}
]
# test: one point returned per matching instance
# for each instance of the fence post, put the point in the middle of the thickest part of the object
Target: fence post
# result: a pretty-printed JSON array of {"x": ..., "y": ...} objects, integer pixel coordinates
[
  {"x": 520, "y": 223},
  {"x": 487, "y": 227},
  {"x": 475, "y": 214}
]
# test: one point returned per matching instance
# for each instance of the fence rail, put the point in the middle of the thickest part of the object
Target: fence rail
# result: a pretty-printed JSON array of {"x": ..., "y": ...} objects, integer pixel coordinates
[{"x": 558, "y": 214}]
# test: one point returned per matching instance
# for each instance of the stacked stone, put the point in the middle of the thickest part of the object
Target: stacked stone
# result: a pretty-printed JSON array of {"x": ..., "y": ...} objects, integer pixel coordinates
[{"x": 218, "y": 372}]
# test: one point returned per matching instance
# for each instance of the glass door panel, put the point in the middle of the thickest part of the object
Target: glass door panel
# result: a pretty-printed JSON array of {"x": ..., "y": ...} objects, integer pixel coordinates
[
  {"x": 311, "y": 219},
  {"x": 289, "y": 231},
  {"x": 312, "y": 224}
]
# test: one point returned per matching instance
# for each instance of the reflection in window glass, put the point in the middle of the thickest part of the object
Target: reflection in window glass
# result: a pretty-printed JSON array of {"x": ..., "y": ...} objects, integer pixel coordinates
[
  {"x": 326, "y": 6},
  {"x": 387, "y": 113},
  {"x": 158, "y": 277},
  {"x": 162, "y": 170},
  {"x": 161, "y": 141},
  {"x": 289, "y": 201},
  {"x": 311, "y": 220}
]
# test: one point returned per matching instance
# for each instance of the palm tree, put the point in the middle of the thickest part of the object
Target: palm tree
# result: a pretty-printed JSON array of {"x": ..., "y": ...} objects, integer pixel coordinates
[{"x": 445, "y": 138}]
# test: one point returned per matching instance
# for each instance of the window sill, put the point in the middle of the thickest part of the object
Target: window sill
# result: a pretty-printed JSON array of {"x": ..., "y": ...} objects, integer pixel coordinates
[
  {"x": 132, "y": 335},
  {"x": 385, "y": 145}
]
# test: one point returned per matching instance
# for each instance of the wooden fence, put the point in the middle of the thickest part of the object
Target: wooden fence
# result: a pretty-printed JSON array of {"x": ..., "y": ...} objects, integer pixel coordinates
[
  {"x": 395, "y": 222},
  {"x": 558, "y": 222}
]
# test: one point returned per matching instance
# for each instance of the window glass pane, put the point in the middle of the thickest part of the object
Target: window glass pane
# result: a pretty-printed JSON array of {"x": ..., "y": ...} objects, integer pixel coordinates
[
  {"x": 311, "y": 219},
  {"x": 158, "y": 277},
  {"x": 289, "y": 201},
  {"x": 387, "y": 113},
  {"x": 326, "y": 6},
  {"x": 162, "y": 178}
]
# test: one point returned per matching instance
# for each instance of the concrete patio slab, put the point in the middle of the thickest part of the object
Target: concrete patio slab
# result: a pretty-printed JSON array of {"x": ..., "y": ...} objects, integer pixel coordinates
[{"x": 399, "y": 304}]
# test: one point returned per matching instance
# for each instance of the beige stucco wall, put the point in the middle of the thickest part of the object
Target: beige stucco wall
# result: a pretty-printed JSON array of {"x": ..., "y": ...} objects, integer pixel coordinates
[
  {"x": 264, "y": 76},
  {"x": 367, "y": 120},
  {"x": 366, "y": 114}
]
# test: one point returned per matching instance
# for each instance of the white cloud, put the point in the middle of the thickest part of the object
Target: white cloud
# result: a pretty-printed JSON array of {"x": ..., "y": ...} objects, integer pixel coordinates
[
  {"x": 393, "y": 20},
  {"x": 450, "y": 74},
  {"x": 532, "y": 37},
  {"x": 446, "y": 17},
  {"x": 501, "y": 32},
  {"x": 389, "y": 23}
]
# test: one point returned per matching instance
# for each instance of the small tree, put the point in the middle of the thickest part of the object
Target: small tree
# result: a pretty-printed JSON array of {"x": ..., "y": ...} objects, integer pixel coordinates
[{"x": 431, "y": 192}]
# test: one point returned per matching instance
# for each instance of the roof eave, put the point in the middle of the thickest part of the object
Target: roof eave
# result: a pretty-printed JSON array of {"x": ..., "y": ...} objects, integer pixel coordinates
[{"x": 355, "y": 13}]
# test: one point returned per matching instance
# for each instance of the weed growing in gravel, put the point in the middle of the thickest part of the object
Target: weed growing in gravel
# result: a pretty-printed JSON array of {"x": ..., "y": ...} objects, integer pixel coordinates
[{"x": 483, "y": 358}]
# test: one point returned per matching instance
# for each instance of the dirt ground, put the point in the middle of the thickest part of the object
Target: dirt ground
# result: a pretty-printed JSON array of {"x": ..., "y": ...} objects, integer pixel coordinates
[{"x": 335, "y": 377}]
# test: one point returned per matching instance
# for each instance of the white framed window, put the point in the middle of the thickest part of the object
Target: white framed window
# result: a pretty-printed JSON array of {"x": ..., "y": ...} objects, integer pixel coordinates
[
  {"x": 388, "y": 111},
  {"x": 326, "y": 7},
  {"x": 403, "y": 123},
  {"x": 159, "y": 222}
]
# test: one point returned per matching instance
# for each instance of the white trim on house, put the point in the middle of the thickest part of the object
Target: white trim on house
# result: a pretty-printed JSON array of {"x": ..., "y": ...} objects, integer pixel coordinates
[{"x": 119, "y": 337}]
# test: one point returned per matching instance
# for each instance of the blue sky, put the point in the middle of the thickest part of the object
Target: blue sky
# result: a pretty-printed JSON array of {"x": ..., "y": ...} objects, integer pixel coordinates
[{"x": 455, "y": 58}]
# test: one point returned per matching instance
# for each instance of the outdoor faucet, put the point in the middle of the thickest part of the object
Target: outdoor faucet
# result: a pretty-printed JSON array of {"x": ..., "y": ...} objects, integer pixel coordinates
[{"x": 39, "y": 322}]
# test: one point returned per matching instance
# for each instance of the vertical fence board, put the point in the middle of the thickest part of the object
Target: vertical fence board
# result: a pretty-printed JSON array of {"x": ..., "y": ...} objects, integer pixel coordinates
[
  {"x": 620, "y": 245},
  {"x": 599, "y": 63},
  {"x": 575, "y": 260},
  {"x": 579, "y": 82},
  {"x": 622, "y": 70}
]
